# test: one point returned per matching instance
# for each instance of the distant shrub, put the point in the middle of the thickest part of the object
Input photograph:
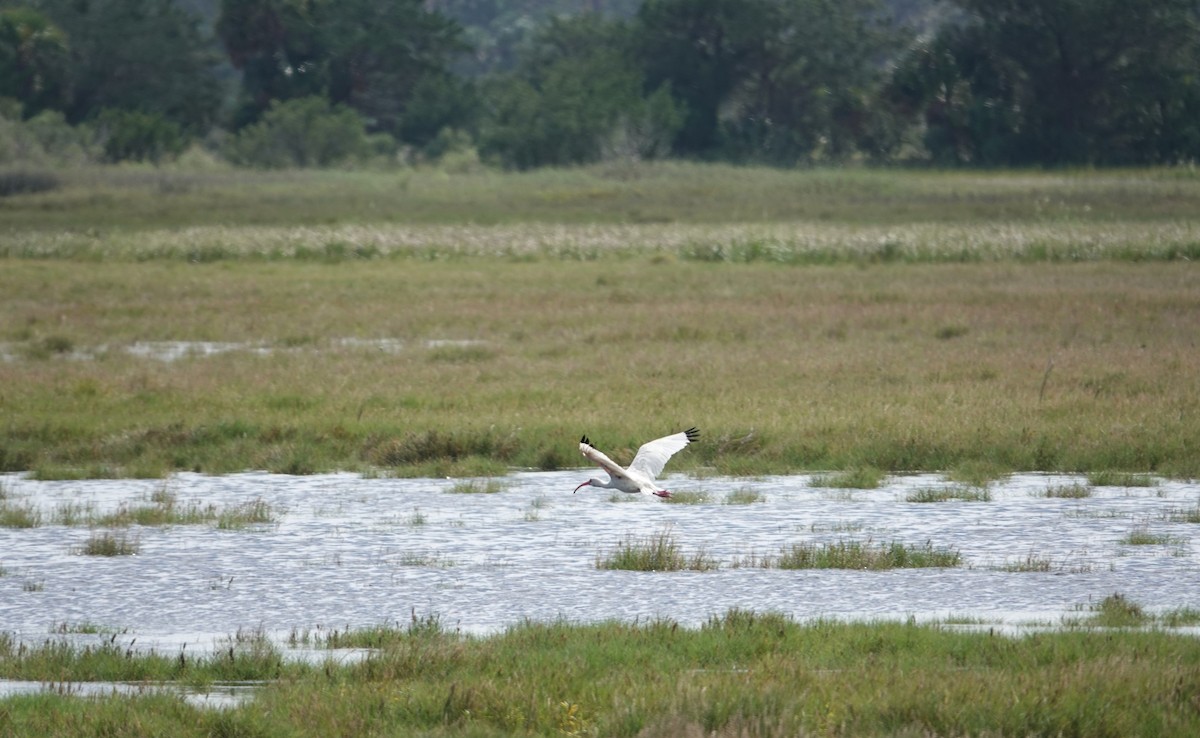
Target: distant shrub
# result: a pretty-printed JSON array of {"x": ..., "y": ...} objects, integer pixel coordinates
[
  {"x": 20, "y": 182},
  {"x": 44, "y": 140},
  {"x": 306, "y": 132},
  {"x": 130, "y": 135}
]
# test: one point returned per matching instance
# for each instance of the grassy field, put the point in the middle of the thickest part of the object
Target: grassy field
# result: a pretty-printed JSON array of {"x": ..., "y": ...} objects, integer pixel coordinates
[
  {"x": 424, "y": 323},
  {"x": 739, "y": 675},
  {"x": 854, "y": 322}
]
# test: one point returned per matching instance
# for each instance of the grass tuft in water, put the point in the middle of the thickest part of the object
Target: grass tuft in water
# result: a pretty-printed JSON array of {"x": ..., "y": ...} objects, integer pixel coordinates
[
  {"x": 1031, "y": 563},
  {"x": 659, "y": 552},
  {"x": 1109, "y": 478},
  {"x": 488, "y": 486},
  {"x": 692, "y": 497},
  {"x": 944, "y": 494},
  {"x": 744, "y": 496},
  {"x": 977, "y": 473},
  {"x": 1068, "y": 491},
  {"x": 255, "y": 512},
  {"x": 13, "y": 515},
  {"x": 863, "y": 477},
  {"x": 1143, "y": 537},
  {"x": 859, "y": 555},
  {"x": 110, "y": 544}
]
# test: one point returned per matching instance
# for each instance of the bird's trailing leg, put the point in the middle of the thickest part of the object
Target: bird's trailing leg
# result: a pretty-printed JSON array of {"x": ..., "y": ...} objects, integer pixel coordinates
[{"x": 663, "y": 493}]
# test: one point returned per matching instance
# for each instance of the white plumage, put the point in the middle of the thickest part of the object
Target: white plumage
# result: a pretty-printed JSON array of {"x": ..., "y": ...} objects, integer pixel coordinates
[{"x": 645, "y": 467}]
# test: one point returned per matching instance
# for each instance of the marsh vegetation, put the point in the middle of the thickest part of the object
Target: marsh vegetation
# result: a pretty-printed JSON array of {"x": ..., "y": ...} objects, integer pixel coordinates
[
  {"x": 739, "y": 673},
  {"x": 409, "y": 327},
  {"x": 839, "y": 320}
]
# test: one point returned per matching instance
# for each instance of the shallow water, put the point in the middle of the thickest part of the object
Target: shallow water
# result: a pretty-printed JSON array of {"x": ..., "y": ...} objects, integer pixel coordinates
[
  {"x": 352, "y": 552},
  {"x": 220, "y": 695}
]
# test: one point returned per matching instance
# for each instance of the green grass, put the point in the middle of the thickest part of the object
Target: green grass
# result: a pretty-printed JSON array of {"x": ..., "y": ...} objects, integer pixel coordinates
[
  {"x": 858, "y": 478},
  {"x": 1113, "y": 478},
  {"x": 805, "y": 320},
  {"x": 254, "y": 512},
  {"x": 99, "y": 201},
  {"x": 478, "y": 486},
  {"x": 1143, "y": 537},
  {"x": 1031, "y": 563},
  {"x": 744, "y": 496},
  {"x": 107, "y": 543},
  {"x": 658, "y": 552},
  {"x": 1068, "y": 491},
  {"x": 741, "y": 673},
  {"x": 860, "y": 555},
  {"x": 13, "y": 515},
  {"x": 943, "y": 494},
  {"x": 689, "y": 497}
]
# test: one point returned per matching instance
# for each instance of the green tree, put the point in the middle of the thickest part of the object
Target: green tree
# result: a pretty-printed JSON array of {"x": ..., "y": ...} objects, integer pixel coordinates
[
  {"x": 1060, "y": 82},
  {"x": 575, "y": 96},
  {"x": 305, "y": 132},
  {"x": 704, "y": 49},
  {"x": 33, "y": 60},
  {"x": 387, "y": 59},
  {"x": 772, "y": 80},
  {"x": 143, "y": 55}
]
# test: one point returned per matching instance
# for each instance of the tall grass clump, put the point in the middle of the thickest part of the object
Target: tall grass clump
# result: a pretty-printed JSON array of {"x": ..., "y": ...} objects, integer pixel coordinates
[
  {"x": 1143, "y": 537},
  {"x": 1111, "y": 478},
  {"x": 13, "y": 515},
  {"x": 488, "y": 486},
  {"x": 110, "y": 544},
  {"x": 943, "y": 494},
  {"x": 163, "y": 510},
  {"x": 863, "y": 477},
  {"x": 254, "y": 512},
  {"x": 859, "y": 555},
  {"x": 1031, "y": 563},
  {"x": 688, "y": 497},
  {"x": 1068, "y": 491},
  {"x": 744, "y": 496},
  {"x": 658, "y": 552},
  {"x": 1117, "y": 611}
]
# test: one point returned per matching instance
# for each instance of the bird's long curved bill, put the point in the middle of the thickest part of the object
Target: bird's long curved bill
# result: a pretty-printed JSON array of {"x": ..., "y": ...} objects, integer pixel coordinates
[{"x": 583, "y": 485}]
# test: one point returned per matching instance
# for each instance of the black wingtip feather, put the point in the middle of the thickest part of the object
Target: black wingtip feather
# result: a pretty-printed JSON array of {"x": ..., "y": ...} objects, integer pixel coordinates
[
  {"x": 585, "y": 440},
  {"x": 692, "y": 434}
]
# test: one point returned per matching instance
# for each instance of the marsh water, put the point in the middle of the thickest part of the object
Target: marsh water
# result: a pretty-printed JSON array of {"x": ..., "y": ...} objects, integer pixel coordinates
[{"x": 344, "y": 551}]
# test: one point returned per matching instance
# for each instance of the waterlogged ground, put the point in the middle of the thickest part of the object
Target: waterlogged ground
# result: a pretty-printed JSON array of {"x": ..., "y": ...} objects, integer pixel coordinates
[{"x": 352, "y": 552}]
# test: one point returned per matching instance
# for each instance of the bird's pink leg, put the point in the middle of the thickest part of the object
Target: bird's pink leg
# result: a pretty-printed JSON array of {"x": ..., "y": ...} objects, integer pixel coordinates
[{"x": 663, "y": 493}]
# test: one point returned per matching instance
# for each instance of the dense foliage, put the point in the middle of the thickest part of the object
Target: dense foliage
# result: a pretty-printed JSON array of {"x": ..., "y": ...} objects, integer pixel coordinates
[{"x": 552, "y": 82}]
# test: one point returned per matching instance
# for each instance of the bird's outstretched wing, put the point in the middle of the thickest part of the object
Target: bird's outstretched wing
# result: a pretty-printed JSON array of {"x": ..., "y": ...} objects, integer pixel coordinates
[
  {"x": 653, "y": 455},
  {"x": 598, "y": 458}
]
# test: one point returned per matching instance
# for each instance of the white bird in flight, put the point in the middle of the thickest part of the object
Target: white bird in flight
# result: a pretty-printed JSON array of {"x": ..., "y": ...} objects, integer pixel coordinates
[{"x": 646, "y": 466}]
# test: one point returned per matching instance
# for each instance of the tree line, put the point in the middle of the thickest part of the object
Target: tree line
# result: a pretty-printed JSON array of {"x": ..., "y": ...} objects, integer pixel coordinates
[{"x": 784, "y": 82}]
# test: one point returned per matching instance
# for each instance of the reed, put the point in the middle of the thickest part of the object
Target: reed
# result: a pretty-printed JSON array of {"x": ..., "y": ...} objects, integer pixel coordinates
[
  {"x": 860, "y": 555},
  {"x": 107, "y": 543},
  {"x": 1068, "y": 491},
  {"x": 13, "y": 515},
  {"x": 943, "y": 494},
  {"x": 657, "y": 552}
]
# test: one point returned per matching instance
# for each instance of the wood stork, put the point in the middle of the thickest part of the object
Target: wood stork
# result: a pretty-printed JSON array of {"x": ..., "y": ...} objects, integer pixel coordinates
[{"x": 645, "y": 467}]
